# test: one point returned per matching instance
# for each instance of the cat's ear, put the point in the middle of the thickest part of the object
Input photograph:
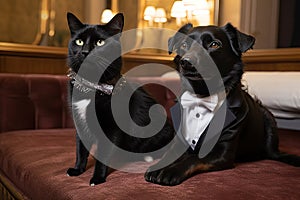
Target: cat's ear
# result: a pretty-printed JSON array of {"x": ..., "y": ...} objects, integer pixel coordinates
[
  {"x": 116, "y": 24},
  {"x": 74, "y": 23}
]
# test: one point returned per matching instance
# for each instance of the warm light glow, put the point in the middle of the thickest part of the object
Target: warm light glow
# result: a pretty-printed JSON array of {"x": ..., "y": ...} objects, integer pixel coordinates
[
  {"x": 200, "y": 6},
  {"x": 203, "y": 17},
  {"x": 160, "y": 15},
  {"x": 189, "y": 4},
  {"x": 178, "y": 9},
  {"x": 194, "y": 11},
  {"x": 202, "y": 13},
  {"x": 107, "y": 15},
  {"x": 149, "y": 13}
]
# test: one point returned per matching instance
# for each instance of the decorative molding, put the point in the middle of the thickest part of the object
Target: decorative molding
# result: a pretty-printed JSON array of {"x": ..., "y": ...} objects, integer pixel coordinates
[
  {"x": 13, "y": 49},
  {"x": 19, "y": 58}
]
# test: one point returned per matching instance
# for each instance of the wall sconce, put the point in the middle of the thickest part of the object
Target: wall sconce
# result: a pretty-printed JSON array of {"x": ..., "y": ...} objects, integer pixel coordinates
[
  {"x": 149, "y": 14},
  {"x": 152, "y": 14},
  {"x": 160, "y": 16},
  {"x": 178, "y": 11},
  {"x": 106, "y": 16},
  {"x": 198, "y": 10},
  {"x": 189, "y": 7},
  {"x": 202, "y": 13}
]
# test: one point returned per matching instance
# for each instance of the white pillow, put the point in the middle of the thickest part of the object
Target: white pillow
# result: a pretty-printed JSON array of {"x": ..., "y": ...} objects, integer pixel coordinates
[{"x": 278, "y": 91}]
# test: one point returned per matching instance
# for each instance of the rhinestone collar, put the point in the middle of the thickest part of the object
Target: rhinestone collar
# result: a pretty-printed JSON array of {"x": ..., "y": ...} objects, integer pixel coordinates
[{"x": 86, "y": 86}]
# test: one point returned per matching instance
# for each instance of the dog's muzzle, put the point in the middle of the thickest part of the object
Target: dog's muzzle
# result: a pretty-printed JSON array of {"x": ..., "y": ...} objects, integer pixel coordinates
[
  {"x": 188, "y": 69},
  {"x": 185, "y": 63}
]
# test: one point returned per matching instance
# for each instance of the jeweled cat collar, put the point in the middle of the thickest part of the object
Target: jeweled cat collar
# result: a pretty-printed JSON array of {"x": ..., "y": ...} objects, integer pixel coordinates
[{"x": 86, "y": 86}]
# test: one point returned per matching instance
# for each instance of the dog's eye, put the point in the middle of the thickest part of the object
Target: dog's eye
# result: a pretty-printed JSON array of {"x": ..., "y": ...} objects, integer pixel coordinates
[
  {"x": 79, "y": 42},
  {"x": 184, "y": 45},
  {"x": 214, "y": 45},
  {"x": 100, "y": 43}
]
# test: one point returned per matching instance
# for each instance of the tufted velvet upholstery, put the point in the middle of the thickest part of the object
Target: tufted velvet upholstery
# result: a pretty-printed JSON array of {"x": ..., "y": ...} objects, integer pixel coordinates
[
  {"x": 33, "y": 102},
  {"x": 40, "y": 101},
  {"x": 37, "y": 146}
]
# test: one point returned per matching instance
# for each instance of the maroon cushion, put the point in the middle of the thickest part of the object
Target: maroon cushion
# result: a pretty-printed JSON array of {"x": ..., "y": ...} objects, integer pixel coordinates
[
  {"x": 36, "y": 162},
  {"x": 33, "y": 102}
]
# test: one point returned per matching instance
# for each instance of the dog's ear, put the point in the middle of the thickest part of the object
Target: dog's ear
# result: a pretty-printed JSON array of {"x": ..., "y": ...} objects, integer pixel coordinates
[
  {"x": 173, "y": 41},
  {"x": 74, "y": 23},
  {"x": 116, "y": 24},
  {"x": 240, "y": 42}
]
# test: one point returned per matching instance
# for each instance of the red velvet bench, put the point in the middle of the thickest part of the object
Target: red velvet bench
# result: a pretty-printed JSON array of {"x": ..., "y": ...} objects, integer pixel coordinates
[{"x": 37, "y": 146}]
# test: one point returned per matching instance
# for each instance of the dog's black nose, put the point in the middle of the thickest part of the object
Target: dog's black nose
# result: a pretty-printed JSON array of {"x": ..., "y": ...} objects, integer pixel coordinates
[{"x": 186, "y": 64}]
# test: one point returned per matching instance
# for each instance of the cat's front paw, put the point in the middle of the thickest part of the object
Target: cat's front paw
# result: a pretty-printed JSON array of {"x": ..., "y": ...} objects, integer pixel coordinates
[
  {"x": 74, "y": 172},
  {"x": 95, "y": 181}
]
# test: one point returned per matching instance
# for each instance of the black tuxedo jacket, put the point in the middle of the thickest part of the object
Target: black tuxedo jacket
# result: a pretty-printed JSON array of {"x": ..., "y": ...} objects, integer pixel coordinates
[{"x": 238, "y": 119}]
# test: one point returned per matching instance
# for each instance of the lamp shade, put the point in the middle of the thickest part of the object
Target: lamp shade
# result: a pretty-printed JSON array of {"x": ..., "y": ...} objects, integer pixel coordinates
[
  {"x": 189, "y": 4},
  {"x": 202, "y": 12},
  {"x": 160, "y": 15},
  {"x": 107, "y": 15},
  {"x": 178, "y": 9},
  {"x": 200, "y": 6},
  {"x": 149, "y": 13}
]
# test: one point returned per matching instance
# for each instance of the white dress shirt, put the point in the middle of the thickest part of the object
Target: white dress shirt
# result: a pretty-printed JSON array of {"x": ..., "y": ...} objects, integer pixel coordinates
[{"x": 197, "y": 114}]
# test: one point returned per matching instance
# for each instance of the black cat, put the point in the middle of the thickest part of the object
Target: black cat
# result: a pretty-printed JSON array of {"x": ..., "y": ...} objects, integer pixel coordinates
[{"x": 94, "y": 50}]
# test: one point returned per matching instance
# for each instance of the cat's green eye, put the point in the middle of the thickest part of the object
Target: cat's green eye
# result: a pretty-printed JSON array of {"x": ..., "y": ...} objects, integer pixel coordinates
[
  {"x": 79, "y": 42},
  {"x": 100, "y": 43}
]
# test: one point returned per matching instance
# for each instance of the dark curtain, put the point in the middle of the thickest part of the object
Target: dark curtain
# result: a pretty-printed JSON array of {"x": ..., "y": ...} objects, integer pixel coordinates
[{"x": 289, "y": 24}]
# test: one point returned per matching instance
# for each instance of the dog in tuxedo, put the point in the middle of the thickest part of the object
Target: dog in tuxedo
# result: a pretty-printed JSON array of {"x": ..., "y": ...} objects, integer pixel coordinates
[{"x": 215, "y": 118}]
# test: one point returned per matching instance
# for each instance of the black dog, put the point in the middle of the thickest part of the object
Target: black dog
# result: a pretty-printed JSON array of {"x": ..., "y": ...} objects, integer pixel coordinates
[
  {"x": 95, "y": 71},
  {"x": 248, "y": 130}
]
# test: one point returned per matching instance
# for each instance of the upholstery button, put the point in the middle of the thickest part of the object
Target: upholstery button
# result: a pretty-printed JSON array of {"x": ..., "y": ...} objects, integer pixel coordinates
[
  {"x": 197, "y": 115},
  {"x": 193, "y": 142}
]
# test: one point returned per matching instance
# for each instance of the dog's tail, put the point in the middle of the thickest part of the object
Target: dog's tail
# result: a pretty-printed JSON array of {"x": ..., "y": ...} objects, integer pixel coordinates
[
  {"x": 272, "y": 152},
  {"x": 287, "y": 158}
]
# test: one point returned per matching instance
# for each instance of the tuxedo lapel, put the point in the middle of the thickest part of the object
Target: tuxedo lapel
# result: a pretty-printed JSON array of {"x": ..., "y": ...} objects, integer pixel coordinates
[
  {"x": 222, "y": 119},
  {"x": 176, "y": 114},
  {"x": 229, "y": 116}
]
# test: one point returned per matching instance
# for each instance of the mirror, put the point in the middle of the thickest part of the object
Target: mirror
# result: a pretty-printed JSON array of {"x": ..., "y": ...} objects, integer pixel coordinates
[
  {"x": 14, "y": 20},
  {"x": 274, "y": 23},
  {"x": 172, "y": 14},
  {"x": 37, "y": 22},
  {"x": 155, "y": 21}
]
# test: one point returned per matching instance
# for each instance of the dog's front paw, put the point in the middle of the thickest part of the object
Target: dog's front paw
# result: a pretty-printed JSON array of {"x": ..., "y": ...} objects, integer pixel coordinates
[
  {"x": 74, "y": 172},
  {"x": 167, "y": 176},
  {"x": 96, "y": 181},
  {"x": 151, "y": 176}
]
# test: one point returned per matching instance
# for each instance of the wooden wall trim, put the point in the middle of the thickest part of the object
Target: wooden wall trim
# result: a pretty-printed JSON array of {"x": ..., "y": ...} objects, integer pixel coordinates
[
  {"x": 19, "y": 58},
  {"x": 272, "y": 55},
  {"x": 10, "y": 49},
  {"x": 282, "y": 59},
  {"x": 252, "y": 56}
]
